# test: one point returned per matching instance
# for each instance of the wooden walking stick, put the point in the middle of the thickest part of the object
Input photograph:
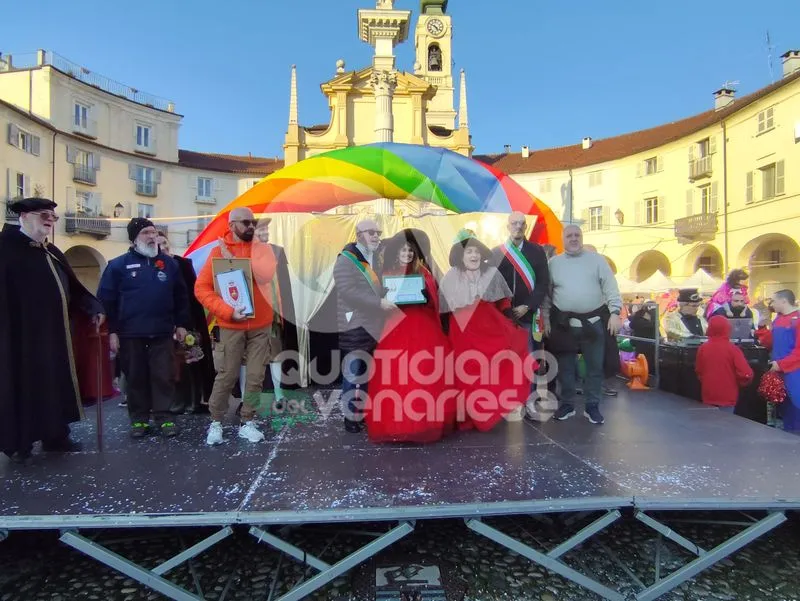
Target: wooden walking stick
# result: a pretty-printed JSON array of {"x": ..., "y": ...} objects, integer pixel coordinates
[{"x": 99, "y": 417}]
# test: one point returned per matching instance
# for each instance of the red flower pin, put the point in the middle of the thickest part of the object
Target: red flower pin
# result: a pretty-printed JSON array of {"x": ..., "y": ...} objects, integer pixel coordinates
[{"x": 160, "y": 264}]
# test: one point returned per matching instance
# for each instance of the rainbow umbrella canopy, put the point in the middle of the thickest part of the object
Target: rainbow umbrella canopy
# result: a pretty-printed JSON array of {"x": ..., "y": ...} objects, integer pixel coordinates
[{"x": 385, "y": 170}]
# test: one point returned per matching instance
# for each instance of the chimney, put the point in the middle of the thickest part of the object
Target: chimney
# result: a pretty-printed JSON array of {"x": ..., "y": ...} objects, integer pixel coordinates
[
  {"x": 587, "y": 143},
  {"x": 507, "y": 148},
  {"x": 526, "y": 152},
  {"x": 791, "y": 62},
  {"x": 723, "y": 97}
]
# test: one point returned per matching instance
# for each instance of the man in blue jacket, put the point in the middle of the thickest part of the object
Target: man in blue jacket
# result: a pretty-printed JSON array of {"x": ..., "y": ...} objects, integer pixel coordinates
[{"x": 147, "y": 303}]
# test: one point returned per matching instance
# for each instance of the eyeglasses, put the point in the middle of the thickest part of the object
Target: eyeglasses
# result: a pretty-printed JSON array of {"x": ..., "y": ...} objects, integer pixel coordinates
[
  {"x": 371, "y": 232},
  {"x": 46, "y": 215},
  {"x": 247, "y": 222}
]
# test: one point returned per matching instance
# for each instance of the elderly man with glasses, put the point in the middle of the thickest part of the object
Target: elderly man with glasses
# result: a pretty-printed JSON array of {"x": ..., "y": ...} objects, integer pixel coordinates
[
  {"x": 41, "y": 305},
  {"x": 686, "y": 323},
  {"x": 360, "y": 318},
  {"x": 241, "y": 336}
]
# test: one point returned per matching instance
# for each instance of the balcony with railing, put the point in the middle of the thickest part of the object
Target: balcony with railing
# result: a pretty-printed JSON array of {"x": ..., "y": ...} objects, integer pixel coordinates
[
  {"x": 11, "y": 216},
  {"x": 696, "y": 228},
  {"x": 47, "y": 57},
  {"x": 700, "y": 168},
  {"x": 146, "y": 188},
  {"x": 85, "y": 174},
  {"x": 88, "y": 222}
]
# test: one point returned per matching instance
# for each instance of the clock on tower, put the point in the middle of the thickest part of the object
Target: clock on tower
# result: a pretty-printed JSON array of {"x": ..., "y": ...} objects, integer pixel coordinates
[{"x": 434, "y": 62}]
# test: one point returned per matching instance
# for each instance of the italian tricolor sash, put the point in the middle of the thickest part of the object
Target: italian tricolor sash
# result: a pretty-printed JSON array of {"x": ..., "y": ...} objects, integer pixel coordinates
[
  {"x": 526, "y": 273},
  {"x": 365, "y": 269}
]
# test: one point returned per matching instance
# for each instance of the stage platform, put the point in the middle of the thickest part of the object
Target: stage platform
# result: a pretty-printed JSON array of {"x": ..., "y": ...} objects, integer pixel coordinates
[{"x": 656, "y": 453}]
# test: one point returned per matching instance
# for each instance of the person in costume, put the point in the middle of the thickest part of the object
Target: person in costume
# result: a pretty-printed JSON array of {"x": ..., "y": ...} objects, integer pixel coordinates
[
  {"x": 240, "y": 335},
  {"x": 284, "y": 328},
  {"x": 722, "y": 297},
  {"x": 583, "y": 309},
  {"x": 784, "y": 341},
  {"x": 685, "y": 322},
  {"x": 479, "y": 319},
  {"x": 195, "y": 380},
  {"x": 361, "y": 313},
  {"x": 147, "y": 304},
  {"x": 721, "y": 366},
  {"x": 409, "y": 401},
  {"x": 735, "y": 308},
  {"x": 44, "y": 307}
]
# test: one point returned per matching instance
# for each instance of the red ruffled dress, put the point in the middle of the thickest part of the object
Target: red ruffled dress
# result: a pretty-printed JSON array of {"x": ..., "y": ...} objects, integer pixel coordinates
[
  {"x": 410, "y": 400},
  {"x": 490, "y": 368}
]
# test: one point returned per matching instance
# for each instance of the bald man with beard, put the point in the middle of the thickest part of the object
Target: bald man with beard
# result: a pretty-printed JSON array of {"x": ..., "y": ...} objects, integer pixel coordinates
[{"x": 240, "y": 335}]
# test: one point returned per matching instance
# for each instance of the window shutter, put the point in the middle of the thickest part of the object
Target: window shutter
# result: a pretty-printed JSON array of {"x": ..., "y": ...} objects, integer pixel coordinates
[
  {"x": 748, "y": 194},
  {"x": 95, "y": 158},
  {"x": 606, "y": 218},
  {"x": 712, "y": 144},
  {"x": 132, "y": 171},
  {"x": 193, "y": 182},
  {"x": 639, "y": 168},
  {"x": 714, "y": 197},
  {"x": 779, "y": 178},
  {"x": 26, "y": 184},
  {"x": 97, "y": 201},
  {"x": 691, "y": 152},
  {"x": 662, "y": 210},
  {"x": 9, "y": 191},
  {"x": 36, "y": 142},
  {"x": 690, "y": 202},
  {"x": 660, "y": 164},
  {"x": 585, "y": 217},
  {"x": 761, "y": 120},
  {"x": 217, "y": 184},
  {"x": 769, "y": 122},
  {"x": 157, "y": 176},
  {"x": 70, "y": 199},
  {"x": 72, "y": 154},
  {"x": 637, "y": 212},
  {"x": 13, "y": 135}
]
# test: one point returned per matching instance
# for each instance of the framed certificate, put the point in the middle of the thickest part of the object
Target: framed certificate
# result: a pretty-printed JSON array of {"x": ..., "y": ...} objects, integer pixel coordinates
[
  {"x": 233, "y": 281},
  {"x": 405, "y": 289}
]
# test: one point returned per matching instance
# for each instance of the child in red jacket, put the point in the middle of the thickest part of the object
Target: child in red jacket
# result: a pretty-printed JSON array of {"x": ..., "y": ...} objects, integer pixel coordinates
[{"x": 721, "y": 366}]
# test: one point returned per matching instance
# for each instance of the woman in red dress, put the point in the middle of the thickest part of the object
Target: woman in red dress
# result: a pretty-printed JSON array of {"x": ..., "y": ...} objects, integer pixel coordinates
[
  {"x": 492, "y": 366},
  {"x": 409, "y": 400}
]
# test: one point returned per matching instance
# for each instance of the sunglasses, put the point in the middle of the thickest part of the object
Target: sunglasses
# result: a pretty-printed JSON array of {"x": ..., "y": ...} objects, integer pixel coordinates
[
  {"x": 248, "y": 222},
  {"x": 46, "y": 216}
]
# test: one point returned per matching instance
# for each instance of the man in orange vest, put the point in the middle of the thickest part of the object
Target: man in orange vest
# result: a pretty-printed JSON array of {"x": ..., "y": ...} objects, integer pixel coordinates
[{"x": 240, "y": 335}]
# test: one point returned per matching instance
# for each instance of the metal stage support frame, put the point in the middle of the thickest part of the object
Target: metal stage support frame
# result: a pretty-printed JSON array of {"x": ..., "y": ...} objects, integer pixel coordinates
[{"x": 705, "y": 559}]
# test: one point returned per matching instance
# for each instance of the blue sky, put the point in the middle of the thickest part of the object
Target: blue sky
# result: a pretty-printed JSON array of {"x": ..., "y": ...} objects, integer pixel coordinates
[{"x": 539, "y": 73}]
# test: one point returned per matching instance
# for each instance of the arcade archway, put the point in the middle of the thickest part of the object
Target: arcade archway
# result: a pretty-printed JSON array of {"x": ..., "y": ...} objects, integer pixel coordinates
[
  {"x": 773, "y": 261},
  {"x": 706, "y": 257},
  {"x": 88, "y": 265},
  {"x": 647, "y": 263}
]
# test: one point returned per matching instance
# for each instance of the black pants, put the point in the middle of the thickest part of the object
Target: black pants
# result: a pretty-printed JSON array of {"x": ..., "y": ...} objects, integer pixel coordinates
[{"x": 148, "y": 365}]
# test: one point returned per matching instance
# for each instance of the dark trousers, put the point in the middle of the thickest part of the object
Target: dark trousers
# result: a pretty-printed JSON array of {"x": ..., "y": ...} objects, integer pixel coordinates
[
  {"x": 354, "y": 389},
  {"x": 149, "y": 368},
  {"x": 592, "y": 347}
]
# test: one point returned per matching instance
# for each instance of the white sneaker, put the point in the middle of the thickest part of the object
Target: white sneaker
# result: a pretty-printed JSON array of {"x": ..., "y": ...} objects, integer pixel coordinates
[
  {"x": 214, "y": 434},
  {"x": 250, "y": 432}
]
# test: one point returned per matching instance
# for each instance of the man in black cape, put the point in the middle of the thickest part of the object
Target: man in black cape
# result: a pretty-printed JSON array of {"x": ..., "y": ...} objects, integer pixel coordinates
[{"x": 41, "y": 303}]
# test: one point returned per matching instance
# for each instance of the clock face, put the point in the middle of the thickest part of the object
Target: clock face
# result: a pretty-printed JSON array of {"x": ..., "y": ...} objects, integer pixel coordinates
[{"x": 436, "y": 27}]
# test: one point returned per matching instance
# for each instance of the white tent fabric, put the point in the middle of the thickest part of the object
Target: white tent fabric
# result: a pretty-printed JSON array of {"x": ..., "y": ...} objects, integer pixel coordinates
[
  {"x": 625, "y": 285},
  {"x": 703, "y": 281},
  {"x": 657, "y": 282},
  {"x": 313, "y": 241}
]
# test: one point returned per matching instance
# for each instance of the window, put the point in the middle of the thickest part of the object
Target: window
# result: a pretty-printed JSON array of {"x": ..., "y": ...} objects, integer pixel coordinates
[
  {"x": 709, "y": 264},
  {"x": 20, "y": 189},
  {"x": 766, "y": 120},
  {"x": 143, "y": 136},
  {"x": 595, "y": 179},
  {"x": 652, "y": 214},
  {"x": 146, "y": 211},
  {"x": 145, "y": 181},
  {"x": 205, "y": 187},
  {"x": 774, "y": 258},
  {"x": 545, "y": 186},
  {"x": 772, "y": 180},
  {"x": 203, "y": 219},
  {"x": 595, "y": 219},
  {"x": 703, "y": 148},
  {"x": 84, "y": 204},
  {"x": 81, "y": 117},
  {"x": 651, "y": 166},
  {"x": 23, "y": 140}
]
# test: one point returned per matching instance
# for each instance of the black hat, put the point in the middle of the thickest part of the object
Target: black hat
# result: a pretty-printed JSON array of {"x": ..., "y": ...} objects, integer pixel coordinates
[
  {"x": 689, "y": 295},
  {"x": 29, "y": 205},
  {"x": 418, "y": 240},
  {"x": 464, "y": 238},
  {"x": 136, "y": 225}
]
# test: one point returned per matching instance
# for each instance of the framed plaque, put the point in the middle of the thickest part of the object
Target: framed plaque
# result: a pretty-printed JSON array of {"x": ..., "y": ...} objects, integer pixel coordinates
[
  {"x": 233, "y": 281},
  {"x": 405, "y": 289}
]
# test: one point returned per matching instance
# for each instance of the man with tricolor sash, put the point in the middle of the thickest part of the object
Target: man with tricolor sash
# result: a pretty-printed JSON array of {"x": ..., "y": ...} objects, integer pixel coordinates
[
  {"x": 360, "y": 317},
  {"x": 523, "y": 265}
]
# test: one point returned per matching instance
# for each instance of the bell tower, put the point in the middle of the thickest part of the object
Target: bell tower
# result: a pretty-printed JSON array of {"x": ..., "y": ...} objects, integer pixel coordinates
[{"x": 434, "y": 62}]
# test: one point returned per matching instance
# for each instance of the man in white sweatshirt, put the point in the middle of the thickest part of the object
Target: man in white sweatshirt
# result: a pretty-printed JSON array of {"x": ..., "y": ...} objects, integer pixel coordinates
[{"x": 584, "y": 294}]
